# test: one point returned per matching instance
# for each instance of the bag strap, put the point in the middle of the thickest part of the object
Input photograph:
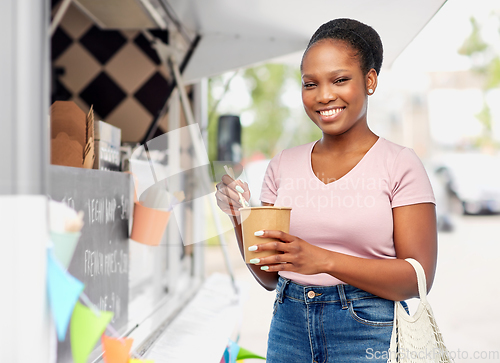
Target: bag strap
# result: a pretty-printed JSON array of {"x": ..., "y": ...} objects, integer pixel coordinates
[{"x": 422, "y": 282}]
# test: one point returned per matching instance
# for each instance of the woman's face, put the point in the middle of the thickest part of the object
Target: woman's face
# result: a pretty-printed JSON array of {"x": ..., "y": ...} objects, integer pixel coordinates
[{"x": 334, "y": 88}]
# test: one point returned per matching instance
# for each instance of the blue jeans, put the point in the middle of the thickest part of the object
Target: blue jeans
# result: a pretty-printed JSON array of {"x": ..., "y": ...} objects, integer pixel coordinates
[{"x": 320, "y": 324}]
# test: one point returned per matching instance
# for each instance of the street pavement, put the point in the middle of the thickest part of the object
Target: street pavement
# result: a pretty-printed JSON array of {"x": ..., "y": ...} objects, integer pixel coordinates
[
  {"x": 464, "y": 296},
  {"x": 466, "y": 290}
]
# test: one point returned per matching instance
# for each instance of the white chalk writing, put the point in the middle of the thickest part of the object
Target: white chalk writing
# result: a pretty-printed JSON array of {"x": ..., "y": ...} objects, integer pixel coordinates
[
  {"x": 111, "y": 303},
  {"x": 102, "y": 210},
  {"x": 97, "y": 263}
]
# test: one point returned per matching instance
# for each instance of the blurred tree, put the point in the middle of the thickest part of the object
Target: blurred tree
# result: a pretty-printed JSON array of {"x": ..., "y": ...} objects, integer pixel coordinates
[
  {"x": 485, "y": 61},
  {"x": 270, "y": 124},
  {"x": 265, "y": 85}
]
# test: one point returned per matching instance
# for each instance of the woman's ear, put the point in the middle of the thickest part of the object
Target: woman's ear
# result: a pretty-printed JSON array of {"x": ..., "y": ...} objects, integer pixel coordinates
[{"x": 371, "y": 81}]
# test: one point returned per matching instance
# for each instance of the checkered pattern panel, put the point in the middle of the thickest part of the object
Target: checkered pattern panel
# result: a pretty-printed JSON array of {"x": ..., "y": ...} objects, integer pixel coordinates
[{"x": 116, "y": 71}]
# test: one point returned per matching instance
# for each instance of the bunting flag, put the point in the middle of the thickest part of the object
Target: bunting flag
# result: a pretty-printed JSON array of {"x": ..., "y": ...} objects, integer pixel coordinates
[
  {"x": 116, "y": 350},
  {"x": 246, "y": 354},
  {"x": 64, "y": 246},
  {"x": 63, "y": 291},
  {"x": 235, "y": 353},
  {"x": 86, "y": 328}
]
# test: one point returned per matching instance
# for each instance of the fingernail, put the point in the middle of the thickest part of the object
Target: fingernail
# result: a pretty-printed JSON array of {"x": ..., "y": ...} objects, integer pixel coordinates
[
  {"x": 252, "y": 248},
  {"x": 255, "y": 260},
  {"x": 264, "y": 268},
  {"x": 240, "y": 189},
  {"x": 247, "y": 204},
  {"x": 259, "y": 233}
]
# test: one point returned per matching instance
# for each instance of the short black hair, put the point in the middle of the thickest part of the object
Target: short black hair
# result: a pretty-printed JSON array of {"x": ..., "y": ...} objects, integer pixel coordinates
[{"x": 361, "y": 37}]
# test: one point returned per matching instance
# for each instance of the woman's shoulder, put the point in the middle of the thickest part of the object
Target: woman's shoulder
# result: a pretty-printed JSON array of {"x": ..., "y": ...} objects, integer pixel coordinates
[
  {"x": 292, "y": 156},
  {"x": 391, "y": 148},
  {"x": 392, "y": 152},
  {"x": 401, "y": 161},
  {"x": 299, "y": 150}
]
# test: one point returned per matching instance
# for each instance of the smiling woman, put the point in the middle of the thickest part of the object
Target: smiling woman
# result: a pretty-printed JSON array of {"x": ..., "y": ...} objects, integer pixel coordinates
[{"x": 360, "y": 206}]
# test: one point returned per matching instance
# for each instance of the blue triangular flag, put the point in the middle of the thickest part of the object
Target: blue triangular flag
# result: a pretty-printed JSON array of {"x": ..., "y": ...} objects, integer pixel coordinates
[
  {"x": 226, "y": 355},
  {"x": 234, "y": 349},
  {"x": 64, "y": 291}
]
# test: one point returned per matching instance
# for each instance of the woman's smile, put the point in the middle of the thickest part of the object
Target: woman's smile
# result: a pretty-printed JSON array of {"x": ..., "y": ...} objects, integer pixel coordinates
[{"x": 330, "y": 114}]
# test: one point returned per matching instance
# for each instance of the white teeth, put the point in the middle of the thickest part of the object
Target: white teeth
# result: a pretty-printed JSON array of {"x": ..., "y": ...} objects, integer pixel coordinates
[{"x": 330, "y": 112}]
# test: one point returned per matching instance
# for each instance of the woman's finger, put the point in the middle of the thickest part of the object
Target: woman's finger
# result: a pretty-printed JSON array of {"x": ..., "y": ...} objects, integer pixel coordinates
[
  {"x": 226, "y": 179},
  {"x": 277, "y": 258},
  {"x": 228, "y": 195},
  {"x": 237, "y": 186},
  {"x": 282, "y": 236},
  {"x": 271, "y": 246},
  {"x": 278, "y": 267}
]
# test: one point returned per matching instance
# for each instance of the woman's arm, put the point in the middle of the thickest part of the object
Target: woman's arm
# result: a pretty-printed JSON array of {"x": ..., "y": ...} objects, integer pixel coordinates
[
  {"x": 228, "y": 202},
  {"x": 415, "y": 236},
  {"x": 267, "y": 280}
]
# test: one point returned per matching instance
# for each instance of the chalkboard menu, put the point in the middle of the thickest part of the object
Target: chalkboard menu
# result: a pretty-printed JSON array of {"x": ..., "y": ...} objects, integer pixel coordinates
[{"x": 101, "y": 258}]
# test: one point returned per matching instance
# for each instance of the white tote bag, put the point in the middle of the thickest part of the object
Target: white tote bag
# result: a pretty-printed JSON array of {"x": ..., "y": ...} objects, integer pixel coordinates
[{"x": 417, "y": 338}]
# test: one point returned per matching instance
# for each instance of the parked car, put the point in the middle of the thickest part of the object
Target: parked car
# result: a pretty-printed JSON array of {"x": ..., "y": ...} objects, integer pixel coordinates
[
  {"x": 442, "y": 193},
  {"x": 475, "y": 180}
]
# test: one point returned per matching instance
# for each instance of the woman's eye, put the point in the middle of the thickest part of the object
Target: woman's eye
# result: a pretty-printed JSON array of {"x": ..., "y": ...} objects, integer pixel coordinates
[
  {"x": 341, "y": 80},
  {"x": 309, "y": 85}
]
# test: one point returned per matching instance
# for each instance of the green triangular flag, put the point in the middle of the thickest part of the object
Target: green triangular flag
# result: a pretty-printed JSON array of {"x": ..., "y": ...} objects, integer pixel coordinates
[
  {"x": 246, "y": 354},
  {"x": 86, "y": 329}
]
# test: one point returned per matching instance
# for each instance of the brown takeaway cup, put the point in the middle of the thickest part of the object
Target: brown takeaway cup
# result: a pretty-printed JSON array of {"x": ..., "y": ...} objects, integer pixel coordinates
[
  {"x": 149, "y": 224},
  {"x": 262, "y": 218}
]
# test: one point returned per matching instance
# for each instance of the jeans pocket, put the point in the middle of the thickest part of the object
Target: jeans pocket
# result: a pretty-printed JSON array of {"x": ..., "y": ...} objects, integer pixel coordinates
[
  {"x": 275, "y": 306},
  {"x": 372, "y": 311},
  {"x": 277, "y": 301}
]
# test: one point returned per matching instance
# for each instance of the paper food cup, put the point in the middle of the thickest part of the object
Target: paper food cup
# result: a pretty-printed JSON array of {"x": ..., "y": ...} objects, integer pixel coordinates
[
  {"x": 149, "y": 224},
  {"x": 254, "y": 219}
]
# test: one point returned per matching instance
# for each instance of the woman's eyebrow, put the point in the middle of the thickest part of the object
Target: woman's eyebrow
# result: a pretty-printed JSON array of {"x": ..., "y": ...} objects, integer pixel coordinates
[{"x": 330, "y": 73}]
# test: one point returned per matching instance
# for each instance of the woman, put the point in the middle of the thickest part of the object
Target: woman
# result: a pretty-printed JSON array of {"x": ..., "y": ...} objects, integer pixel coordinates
[{"x": 360, "y": 205}]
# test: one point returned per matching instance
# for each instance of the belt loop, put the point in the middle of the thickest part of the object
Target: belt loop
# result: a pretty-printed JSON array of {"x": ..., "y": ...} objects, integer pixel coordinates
[
  {"x": 281, "y": 288},
  {"x": 343, "y": 299}
]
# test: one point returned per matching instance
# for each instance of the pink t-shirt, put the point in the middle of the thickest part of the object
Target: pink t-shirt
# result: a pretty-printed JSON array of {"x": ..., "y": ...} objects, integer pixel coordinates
[{"x": 352, "y": 215}]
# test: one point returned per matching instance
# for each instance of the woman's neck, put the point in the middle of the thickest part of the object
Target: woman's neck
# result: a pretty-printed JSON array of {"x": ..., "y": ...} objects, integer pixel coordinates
[{"x": 353, "y": 141}]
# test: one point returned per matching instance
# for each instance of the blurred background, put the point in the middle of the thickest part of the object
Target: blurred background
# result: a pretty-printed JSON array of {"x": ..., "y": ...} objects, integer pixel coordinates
[{"x": 440, "y": 97}]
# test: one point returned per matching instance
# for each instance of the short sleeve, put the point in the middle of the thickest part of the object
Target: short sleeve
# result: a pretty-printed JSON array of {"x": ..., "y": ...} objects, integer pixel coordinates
[
  {"x": 409, "y": 181},
  {"x": 270, "y": 184}
]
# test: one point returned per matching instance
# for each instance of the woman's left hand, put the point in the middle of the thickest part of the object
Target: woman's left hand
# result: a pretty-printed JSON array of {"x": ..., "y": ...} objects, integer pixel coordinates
[{"x": 298, "y": 255}]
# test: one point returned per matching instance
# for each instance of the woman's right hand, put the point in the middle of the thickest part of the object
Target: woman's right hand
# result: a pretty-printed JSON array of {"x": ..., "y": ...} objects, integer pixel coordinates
[{"x": 227, "y": 196}]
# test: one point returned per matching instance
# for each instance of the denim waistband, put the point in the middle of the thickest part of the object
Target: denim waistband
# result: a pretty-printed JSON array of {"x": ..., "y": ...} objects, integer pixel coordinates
[{"x": 313, "y": 294}]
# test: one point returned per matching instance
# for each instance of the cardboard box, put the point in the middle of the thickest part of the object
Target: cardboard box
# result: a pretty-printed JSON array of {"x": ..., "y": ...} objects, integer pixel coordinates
[{"x": 72, "y": 135}]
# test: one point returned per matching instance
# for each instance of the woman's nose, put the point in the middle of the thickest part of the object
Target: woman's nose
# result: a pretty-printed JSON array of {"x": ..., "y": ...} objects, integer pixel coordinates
[{"x": 326, "y": 94}]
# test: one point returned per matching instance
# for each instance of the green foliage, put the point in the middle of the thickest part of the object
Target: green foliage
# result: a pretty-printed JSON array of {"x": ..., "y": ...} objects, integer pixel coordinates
[
  {"x": 484, "y": 116},
  {"x": 213, "y": 116},
  {"x": 474, "y": 43},
  {"x": 493, "y": 72},
  {"x": 486, "y": 62},
  {"x": 265, "y": 85}
]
